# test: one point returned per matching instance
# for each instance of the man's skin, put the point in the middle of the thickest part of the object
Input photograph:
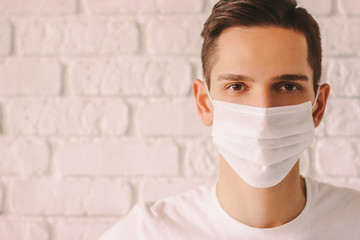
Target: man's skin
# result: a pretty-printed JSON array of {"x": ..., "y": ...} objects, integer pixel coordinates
[{"x": 263, "y": 56}]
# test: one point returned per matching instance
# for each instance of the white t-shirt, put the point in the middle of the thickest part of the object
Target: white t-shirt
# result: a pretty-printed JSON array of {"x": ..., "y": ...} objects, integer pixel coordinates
[{"x": 330, "y": 213}]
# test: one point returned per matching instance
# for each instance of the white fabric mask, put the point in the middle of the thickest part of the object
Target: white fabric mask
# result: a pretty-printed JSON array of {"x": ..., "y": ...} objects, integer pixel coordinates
[{"x": 262, "y": 144}]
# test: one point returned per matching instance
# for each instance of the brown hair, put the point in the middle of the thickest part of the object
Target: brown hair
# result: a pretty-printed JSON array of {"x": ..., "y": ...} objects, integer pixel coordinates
[{"x": 254, "y": 13}]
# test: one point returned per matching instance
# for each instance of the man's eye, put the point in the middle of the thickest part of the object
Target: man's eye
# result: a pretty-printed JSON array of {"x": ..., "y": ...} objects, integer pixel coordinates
[
  {"x": 237, "y": 87},
  {"x": 289, "y": 87}
]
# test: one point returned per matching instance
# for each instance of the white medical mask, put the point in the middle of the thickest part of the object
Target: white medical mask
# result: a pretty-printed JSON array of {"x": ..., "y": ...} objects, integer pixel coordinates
[{"x": 262, "y": 144}]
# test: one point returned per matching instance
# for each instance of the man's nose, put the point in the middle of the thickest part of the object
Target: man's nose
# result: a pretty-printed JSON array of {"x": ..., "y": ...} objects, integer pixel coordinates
[{"x": 264, "y": 99}]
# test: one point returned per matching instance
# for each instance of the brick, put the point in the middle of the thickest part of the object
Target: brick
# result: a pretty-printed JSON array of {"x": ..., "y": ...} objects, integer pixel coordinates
[
  {"x": 121, "y": 6},
  {"x": 354, "y": 183},
  {"x": 118, "y": 157},
  {"x": 5, "y": 38},
  {"x": 66, "y": 117},
  {"x": 175, "y": 77},
  {"x": 21, "y": 76},
  {"x": 45, "y": 196},
  {"x": 10, "y": 163},
  {"x": 201, "y": 158},
  {"x": 1, "y": 119},
  {"x": 343, "y": 75},
  {"x": 77, "y": 36},
  {"x": 108, "y": 197},
  {"x": 198, "y": 72},
  {"x": 37, "y": 6},
  {"x": 320, "y": 131},
  {"x": 22, "y": 229},
  {"x": 1, "y": 199},
  {"x": 174, "y": 36},
  {"x": 73, "y": 197},
  {"x": 349, "y": 7},
  {"x": 184, "y": 6},
  {"x": 169, "y": 118},
  {"x": 338, "y": 157},
  {"x": 80, "y": 229},
  {"x": 130, "y": 77},
  {"x": 213, "y": 2},
  {"x": 342, "y": 116},
  {"x": 340, "y": 37},
  {"x": 325, "y": 69},
  {"x": 24, "y": 156},
  {"x": 152, "y": 190},
  {"x": 319, "y": 7}
]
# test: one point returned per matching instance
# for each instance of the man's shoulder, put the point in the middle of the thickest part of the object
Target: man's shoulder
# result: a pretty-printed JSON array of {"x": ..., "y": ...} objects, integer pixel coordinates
[
  {"x": 335, "y": 210},
  {"x": 336, "y": 199},
  {"x": 162, "y": 216},
  {"x": 324, "y": 190},
  {"x": 119, "y": 229}
]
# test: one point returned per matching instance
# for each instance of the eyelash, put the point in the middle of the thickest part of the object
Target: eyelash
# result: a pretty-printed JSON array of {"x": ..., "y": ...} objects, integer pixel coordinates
[
  {"x": 237, "y": 85},
  {"x": 292, "y": 84}
]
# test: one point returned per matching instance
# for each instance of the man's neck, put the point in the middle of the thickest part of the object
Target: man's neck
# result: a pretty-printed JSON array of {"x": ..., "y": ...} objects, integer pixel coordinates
[{"x": 261, "y": 207}]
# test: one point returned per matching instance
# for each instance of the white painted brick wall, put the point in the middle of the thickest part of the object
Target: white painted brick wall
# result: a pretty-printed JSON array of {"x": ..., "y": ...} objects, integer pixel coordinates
[
  {"x": 24, "y": 156},
  {"x": 200, "y": 158},
  {"x": 167, "y": 118},
  {"x": 173, "y": 35},
  {"x": 149, "y": 77},
  {"x": 184, "y": 6},
  {"x": 38, "y": 7},
  {"x": 79, "y": 229},
  {"x": 318, "y": 7},
  {"x": 343, "y": 75},
  {"x": 349, "y": 7},
  {"x": 16, "y": 229},
  {"x": 5, "y": 38},
  {"x": 68, "y": 117},
  {"x": 76, "y": 36},
  {"x": 97, "y": 114},
  {"x": 152, "y": 190},
  {"x": 329, "y": 162},
  {"x": 1, "y": 198},
  {"x": 118, "y": 157},
  {"x": 346, "y": 125},
  {"x": 46, "y": 196},
  {"x": 31, "y": 77},
  {"x": 120, "y": 6},
  {"x": 340, "y": 36}
]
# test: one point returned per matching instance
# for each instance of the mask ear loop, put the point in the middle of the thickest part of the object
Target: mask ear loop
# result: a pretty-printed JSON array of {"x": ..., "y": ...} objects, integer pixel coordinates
[
  {"x": 316, "y": 97},
  {"x": 208, "y": 93}
]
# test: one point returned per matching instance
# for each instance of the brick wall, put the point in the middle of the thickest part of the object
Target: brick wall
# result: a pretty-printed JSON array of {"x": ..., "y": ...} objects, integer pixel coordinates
[{"x": 97, "y": 114}]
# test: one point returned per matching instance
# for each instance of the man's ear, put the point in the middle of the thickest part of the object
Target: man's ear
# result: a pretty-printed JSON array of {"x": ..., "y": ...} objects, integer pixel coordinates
[
  {"x": 319, "y": 109},
  {"x": 203, "y": 103}
]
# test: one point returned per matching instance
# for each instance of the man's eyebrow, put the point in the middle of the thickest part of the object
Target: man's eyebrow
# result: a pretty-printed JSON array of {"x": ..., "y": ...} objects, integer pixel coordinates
[
  {"x": 291, "y": 77},
  {"x": 244, "y": 78},
  {"x": 235, "y": 77}
]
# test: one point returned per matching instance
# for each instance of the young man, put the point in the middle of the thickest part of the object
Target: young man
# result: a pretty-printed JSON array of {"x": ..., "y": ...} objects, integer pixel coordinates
[{"x": 261, "y": 95}]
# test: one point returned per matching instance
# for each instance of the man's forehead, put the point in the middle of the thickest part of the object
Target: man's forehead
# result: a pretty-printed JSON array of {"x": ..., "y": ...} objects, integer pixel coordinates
[
  {"x": 265, "y": 44},
  {"x": 256, "y": 51},
  {"x": 260, "y": 35}
]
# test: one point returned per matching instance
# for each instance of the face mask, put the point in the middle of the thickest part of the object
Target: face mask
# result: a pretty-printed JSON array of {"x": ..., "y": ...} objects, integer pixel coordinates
[{"x": 262, "y": 144}]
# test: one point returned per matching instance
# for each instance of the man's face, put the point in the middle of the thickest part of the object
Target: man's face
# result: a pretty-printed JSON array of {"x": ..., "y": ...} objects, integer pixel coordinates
[{"x": 262, "y": 67}]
